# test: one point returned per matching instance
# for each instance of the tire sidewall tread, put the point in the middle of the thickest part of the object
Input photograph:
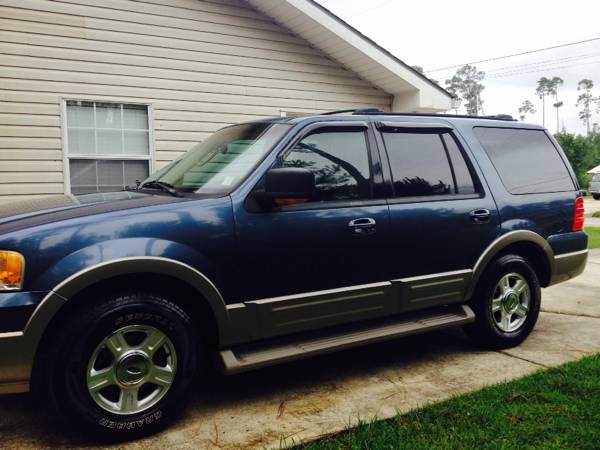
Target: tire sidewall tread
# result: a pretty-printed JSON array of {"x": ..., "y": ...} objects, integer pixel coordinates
[
  {"x": 75, "y": 341},
  {"x": 484, "y": 331}
]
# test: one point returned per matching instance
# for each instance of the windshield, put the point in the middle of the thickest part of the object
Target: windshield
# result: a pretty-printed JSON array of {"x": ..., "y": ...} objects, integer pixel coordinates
[{"x": 218, "y": 164}]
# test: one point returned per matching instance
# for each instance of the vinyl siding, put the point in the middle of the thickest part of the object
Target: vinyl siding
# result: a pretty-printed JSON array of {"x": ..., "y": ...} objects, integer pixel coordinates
[{"x": 201, "y": 65}]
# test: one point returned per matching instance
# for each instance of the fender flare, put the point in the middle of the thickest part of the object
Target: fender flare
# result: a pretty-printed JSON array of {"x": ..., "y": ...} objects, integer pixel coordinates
[
  {"x": 60, "y": 295},
  {"x": 500, "y": 244}
]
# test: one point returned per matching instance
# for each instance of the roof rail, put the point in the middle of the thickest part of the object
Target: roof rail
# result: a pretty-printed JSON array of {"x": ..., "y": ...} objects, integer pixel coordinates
[
  {"x": 377, "y": 112},
  {"x": 353, "y": 111},
  {"x": 459, "y": 116}
]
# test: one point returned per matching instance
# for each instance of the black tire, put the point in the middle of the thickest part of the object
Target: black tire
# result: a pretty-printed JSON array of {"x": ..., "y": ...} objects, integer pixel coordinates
[
  {"x": 486, "y": 331},
  {"x": 77, "y": 340},
  {"x": 596, "y": 196}
]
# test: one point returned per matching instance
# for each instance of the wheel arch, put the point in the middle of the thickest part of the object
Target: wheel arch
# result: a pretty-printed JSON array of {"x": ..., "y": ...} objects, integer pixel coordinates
[
  {"x": 528, "y": 244},
  {"x": 69, "y": 292}
]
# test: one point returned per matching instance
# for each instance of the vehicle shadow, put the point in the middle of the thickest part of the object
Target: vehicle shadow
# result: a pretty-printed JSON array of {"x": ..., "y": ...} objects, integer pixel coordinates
[{"x": 25, "y": 423}]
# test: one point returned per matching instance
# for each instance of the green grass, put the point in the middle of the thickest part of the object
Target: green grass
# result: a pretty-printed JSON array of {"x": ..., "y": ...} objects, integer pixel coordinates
[
  {"x": 593, "y": 237},
  {"x": 552, "y": 409},
  {"x": 596, "y": 214}
]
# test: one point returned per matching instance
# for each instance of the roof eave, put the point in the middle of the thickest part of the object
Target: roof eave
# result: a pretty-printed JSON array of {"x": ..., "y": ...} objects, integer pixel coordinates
[{"x": 358, "y": 53}]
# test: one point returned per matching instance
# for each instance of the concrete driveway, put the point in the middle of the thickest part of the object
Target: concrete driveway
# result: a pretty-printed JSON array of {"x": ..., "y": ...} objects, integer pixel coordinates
[
  {"x": 591, "y": 206},
  {"x": 307, "y": 399}
]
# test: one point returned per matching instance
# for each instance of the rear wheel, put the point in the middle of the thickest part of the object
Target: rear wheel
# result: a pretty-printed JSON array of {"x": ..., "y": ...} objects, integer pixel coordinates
[
  {"x": 506, "y": 303},
  {"x": 124, "y": 367},
  {"x": 596, "y": 196}
]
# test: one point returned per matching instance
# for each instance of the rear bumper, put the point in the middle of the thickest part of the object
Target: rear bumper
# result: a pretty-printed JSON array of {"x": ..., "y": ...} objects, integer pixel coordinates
[{"x": 568, "y": 265}]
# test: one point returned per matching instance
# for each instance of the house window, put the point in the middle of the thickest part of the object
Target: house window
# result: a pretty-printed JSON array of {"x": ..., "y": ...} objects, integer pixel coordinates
[{"x": 108, "y": 145}]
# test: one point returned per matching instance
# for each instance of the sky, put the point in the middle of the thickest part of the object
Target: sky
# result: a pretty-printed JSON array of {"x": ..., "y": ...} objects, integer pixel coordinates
[{"x": 435, "y": 34}]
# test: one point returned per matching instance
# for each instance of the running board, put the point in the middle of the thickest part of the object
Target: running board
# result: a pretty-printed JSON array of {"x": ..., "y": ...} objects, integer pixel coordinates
[{"x": 254, "y": 356}]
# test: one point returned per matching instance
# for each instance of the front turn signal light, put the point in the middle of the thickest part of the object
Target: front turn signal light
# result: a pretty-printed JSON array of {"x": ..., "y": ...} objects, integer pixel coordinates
[{"x": 12, "y": 269}]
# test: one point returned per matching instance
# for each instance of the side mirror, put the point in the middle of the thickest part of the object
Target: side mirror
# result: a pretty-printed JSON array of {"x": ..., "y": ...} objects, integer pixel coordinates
[{"x": 287, "y": 186}]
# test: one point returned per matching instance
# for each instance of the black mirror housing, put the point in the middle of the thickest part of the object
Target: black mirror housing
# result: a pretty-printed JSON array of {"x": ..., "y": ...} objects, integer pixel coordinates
[{"x": 287, "y": 183}]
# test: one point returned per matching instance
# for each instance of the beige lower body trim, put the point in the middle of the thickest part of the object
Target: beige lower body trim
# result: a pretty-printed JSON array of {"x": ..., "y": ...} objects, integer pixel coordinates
[
  {"x": 15, "y": 363},
  {"x": 568, "y": 265},
  {"x": 17, "y": 387}
]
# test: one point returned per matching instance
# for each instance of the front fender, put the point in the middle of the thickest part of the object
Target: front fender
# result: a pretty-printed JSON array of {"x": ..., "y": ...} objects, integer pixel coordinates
[
  {"x": 56, "y": 299},
  {"x": 116, "y": 249},
  {"x": 106, "y": 260}
]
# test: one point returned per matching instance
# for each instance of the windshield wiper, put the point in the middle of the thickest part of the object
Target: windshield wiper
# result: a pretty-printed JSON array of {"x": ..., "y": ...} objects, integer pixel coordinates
[{"x": 163, "y": 186}]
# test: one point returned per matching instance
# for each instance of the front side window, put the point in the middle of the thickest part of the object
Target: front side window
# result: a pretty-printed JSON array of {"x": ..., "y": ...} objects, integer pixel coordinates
[
  {"x": 219, "y": 163},
  {"x": 339, "y": 161},
  {"x": 108, "y": 145},
  {"x": 421, "y": 165},
  {"x": 526, "y": 160}
]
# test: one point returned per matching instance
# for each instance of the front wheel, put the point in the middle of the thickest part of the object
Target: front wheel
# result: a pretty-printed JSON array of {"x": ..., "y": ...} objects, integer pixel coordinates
[
  {"x": 596, "y": 196},
  {"x": 124, "y": 367},
  {"x": 506, "y": 304}
]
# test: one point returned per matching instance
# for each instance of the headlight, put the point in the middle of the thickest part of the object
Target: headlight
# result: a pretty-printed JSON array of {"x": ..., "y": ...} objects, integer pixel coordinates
[{"x": 12, "y": 268}]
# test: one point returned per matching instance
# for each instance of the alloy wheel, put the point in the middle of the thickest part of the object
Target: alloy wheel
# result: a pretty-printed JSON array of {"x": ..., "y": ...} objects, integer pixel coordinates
[
  {"x": 510, "y": 302},
  {"x": 132, "y": 369}
]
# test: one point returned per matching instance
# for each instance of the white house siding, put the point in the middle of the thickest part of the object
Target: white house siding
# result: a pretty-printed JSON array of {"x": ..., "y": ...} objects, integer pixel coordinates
[{"x": 200, "y": 64}]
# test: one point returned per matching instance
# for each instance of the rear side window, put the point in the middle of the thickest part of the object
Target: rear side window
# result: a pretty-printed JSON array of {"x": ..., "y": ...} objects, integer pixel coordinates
[
  {"x": 464, "y": 180},
  {"x": 421, "y": 165},
  {"x": 526, "y": 160}
]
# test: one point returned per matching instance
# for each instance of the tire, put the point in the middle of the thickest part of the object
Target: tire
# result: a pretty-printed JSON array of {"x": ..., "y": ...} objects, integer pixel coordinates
[
  {"x": 494, "y": 301},
  {"x": 596, "y": 196},
  {"x": 98, "y": 365}
]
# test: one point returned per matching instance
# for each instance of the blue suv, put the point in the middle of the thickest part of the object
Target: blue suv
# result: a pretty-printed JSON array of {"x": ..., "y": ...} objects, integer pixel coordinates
[{"x": 276, "y": 240}]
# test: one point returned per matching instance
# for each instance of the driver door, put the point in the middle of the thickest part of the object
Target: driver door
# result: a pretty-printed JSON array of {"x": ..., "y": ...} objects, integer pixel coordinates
[{"x": 319, "y": 263}]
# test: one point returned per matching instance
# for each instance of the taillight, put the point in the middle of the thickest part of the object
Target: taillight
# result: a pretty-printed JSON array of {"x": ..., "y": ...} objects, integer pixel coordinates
[{"x": 579, "y": 217}]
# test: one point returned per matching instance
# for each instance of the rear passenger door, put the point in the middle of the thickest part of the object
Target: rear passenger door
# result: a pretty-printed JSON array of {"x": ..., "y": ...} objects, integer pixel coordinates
[{"x": 442, "y": 215}]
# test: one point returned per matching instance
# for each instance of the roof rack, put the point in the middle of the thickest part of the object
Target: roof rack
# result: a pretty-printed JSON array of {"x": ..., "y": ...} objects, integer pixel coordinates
[
  {"x": 377, "y": 112},
  {"x": 353, "y": 111}
]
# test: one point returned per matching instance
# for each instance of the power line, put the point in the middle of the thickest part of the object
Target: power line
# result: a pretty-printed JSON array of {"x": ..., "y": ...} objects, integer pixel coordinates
[
  {"x": 516, "y": 54},
  {"x": 364, "y": 11},
  {"x": 511, "y": 74},
  {"x": 541, "y": 63}
]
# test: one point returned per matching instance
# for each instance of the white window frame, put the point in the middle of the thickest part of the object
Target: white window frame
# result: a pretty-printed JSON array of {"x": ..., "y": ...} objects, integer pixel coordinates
[{"x": 150, "y": 157}]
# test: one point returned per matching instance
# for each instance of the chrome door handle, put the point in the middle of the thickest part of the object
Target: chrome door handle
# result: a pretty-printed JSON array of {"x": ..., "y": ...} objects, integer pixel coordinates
[
  {"x": 364, "y": 225},
  {"x": 480, "y": 215}
]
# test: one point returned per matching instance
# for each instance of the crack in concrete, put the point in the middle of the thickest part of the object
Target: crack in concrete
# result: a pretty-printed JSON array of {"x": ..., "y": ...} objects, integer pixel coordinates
[
  {"x": 504, "y": 352},
  {"x": 570, "y": 314}
]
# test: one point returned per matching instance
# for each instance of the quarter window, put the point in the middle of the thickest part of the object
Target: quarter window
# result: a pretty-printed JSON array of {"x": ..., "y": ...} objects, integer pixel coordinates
[
  {"x": 526, "y": 160},
  {"x": 340, "y": 162},
  {"x": 108, "y": 145},
  {"x": 420, "y": 164}
]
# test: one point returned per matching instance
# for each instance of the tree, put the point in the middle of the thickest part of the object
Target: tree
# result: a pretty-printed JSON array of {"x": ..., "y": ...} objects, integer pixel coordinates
[
  {"x": 467, "y": 83},
  {"x": 583, "y": 154},
  {"x": 422, "y": 72},
  {"x": 526, "y": 108},
  {"x": 585, "y": 101},
  {"x": 555, "y": 83},
  {"x": 543, "y": 89}
]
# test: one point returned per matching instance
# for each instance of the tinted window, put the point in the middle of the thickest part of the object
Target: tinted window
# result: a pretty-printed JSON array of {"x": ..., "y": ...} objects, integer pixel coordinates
[
  {"x": 419, "y": 164},
  {"x": 340, "y": 162},
  {"x": 526, "y": 160},
  {"x": 464, "y": 180}
]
